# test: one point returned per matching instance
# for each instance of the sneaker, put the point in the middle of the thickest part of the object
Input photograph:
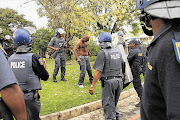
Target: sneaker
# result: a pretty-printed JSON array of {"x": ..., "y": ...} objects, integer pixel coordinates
[
  {"x": 63, "y": 80},
  {"x": 81, "y": 86},
  {"x": 138, "y": 105},
  {"x": 55, "y": 81}
]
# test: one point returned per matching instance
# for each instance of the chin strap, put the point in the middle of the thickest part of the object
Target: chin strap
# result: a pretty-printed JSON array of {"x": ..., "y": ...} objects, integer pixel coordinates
[{"x": 145, "y": 23}]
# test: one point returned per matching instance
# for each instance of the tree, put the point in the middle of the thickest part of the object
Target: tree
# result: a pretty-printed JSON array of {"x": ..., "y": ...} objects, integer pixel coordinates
[
  {"x": 40, "y": 41},
  {"x": 9, "y": 19},
  {"x": 88, "y": 16}
]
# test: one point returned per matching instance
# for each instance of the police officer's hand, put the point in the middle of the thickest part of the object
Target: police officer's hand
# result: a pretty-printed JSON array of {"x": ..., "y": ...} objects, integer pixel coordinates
[
  {"x": 57, "y": 49},
  {"x": 12, "y": 46},
  {"x": 91, "y": 90}
]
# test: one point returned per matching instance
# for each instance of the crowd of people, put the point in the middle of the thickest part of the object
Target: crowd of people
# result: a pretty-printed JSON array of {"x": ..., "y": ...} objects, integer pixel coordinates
[{"x": 21, "y": 70}]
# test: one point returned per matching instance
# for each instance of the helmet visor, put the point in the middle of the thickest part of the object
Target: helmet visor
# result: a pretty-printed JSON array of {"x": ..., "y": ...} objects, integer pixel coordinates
[{"x": 140, "y": 4}]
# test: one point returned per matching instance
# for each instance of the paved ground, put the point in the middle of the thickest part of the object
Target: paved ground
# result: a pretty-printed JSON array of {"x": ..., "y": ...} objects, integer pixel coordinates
[{"x": 126, "y": 107}]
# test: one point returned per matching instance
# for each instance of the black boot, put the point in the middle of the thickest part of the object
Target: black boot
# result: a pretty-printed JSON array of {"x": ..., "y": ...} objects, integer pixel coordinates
[
  {"x": 138, "y": 105},
  {"x": 63, "y": 79},
  {"x": 54, "y": 79}
]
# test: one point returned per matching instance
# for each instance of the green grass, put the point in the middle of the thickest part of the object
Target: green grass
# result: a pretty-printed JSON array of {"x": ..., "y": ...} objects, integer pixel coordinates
[{"x": 63, "y": 95}]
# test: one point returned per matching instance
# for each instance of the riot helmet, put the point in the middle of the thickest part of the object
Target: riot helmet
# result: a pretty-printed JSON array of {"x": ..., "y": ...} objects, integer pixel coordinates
[
  {"x": 59, "y": 31},
  {"x": 105, "y": 37},
  {"x": 120, "y": 33},
  {"x": 7, "y": 37},
  {"x": 152, "y": 9},
  {"x": 22, "y": 37}
]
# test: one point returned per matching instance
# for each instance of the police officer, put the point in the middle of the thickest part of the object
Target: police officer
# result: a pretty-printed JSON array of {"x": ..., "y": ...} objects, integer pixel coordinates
[
  {"x": 8, "y": 46},
  {"x": 108, "y": 65},
  {"x": 135, "y": 61},
  {"x": 161, "y": 95},
  {"x": 10, "y": 92},
  {"x": 58, "y": 45},
  {"x": 28, "y": 70}
]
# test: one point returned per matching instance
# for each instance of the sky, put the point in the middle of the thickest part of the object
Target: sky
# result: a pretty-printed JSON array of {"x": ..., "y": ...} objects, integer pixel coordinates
[{"x": 28, "y": 9}]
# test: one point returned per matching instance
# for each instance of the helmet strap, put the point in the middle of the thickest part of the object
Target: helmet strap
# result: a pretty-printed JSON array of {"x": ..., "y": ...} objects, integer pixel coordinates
[{"x": 145, "y": 20}]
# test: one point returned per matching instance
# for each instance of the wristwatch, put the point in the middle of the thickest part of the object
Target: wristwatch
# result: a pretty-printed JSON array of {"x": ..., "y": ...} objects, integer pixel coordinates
[{"x": 92, "y": 85}]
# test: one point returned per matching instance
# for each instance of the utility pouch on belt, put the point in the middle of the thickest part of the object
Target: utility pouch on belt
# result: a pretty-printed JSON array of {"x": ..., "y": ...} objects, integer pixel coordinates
[
  {"x": 36, "y": 95},
  {"x": 103, "y": 81}
]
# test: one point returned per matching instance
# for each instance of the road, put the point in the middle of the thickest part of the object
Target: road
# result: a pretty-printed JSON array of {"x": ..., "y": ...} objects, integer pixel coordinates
[{"x": 126, "y": 107}]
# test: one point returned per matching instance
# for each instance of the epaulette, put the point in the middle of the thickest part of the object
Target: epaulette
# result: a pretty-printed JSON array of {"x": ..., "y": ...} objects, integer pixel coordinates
[
  {"x": 176, "y": 43},
  {"x": 3, "y": 50}
]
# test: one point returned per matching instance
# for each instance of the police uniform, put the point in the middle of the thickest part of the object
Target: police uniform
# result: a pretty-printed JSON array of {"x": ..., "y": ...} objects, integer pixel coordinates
[
  {"x": 7, "y": 48},
  {"x": 135, "y": 61},
  {"x": 60, "y": 57},
  {"x": 29, "y": 70},
  {"x": 109, "y": 61},
  {"x": 6, "y": 78},
  {"x": 161, "y": 96}
]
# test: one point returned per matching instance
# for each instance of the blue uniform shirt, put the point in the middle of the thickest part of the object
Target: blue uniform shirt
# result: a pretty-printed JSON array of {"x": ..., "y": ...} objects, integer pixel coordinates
[{"x": 6, "y": 75}]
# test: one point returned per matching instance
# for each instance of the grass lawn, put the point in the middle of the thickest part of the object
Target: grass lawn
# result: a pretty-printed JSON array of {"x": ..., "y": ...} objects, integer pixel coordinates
[{"x": 63, "y": 95}]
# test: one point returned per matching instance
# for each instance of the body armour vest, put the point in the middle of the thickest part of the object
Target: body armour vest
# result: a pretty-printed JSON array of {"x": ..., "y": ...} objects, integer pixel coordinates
[
  {"x": 21, "y": 64},
  {"x": 113, "y": 63},
  {"x": 59, "y": 43}
]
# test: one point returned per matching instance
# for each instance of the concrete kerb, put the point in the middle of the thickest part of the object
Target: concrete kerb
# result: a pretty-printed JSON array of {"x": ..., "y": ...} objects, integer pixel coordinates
[{"x": 83, "y": 109}]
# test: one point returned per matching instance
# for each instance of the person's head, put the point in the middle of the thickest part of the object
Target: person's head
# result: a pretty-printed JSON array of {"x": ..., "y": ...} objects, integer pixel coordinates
[
  {"x": 7, "y": 37},
  {"x": 22, "y": 37},
  {"x": 59, "y": 32},
  {"x": 133, "y": 43},
  {"x": 105, "y": 40},
  {"x": 85, "y": 38},
  {"x": 120, "y": 34},
  {"x": 162, "y": 11}
]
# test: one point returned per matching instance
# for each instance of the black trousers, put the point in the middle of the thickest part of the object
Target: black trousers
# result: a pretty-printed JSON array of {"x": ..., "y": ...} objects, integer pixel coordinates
[{"x": 136, "y": 71}]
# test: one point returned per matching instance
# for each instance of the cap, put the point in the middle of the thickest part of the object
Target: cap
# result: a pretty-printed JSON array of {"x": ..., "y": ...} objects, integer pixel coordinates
[{"x": 134, "y": 41}]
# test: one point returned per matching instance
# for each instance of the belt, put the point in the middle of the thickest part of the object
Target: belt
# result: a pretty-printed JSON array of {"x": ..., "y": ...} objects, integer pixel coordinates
[
  {"x": 28, "y": 91},
  {"x": 82, "y": 56},
  {"x": 110, "y": 77}
]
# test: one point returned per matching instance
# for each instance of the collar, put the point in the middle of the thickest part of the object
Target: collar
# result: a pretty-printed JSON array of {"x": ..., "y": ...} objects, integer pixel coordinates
[{"x": 160, "y": 32}]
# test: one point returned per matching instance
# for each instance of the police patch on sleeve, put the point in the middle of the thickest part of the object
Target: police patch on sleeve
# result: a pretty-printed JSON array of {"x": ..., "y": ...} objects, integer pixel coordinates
[
  {"x": 177, "y": 49},
  {"x": 176, "y": 44}
]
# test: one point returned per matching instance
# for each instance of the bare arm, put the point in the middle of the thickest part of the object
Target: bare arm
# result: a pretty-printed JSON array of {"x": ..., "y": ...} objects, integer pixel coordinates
[
  {"x": 76, "y": 48},
  {"x": 53, "y": 48},
  {"x": 95, "y": 79},
  {"x": 13, "y": 97},
  {"x": 89, "y": 53}
]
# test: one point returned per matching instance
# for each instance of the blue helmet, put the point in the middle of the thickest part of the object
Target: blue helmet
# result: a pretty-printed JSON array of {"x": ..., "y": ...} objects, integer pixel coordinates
[
  {"x": 22, "y": 37},
  {"x": 105, "y": 37},
  {"x": 140, "y": 4}
]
